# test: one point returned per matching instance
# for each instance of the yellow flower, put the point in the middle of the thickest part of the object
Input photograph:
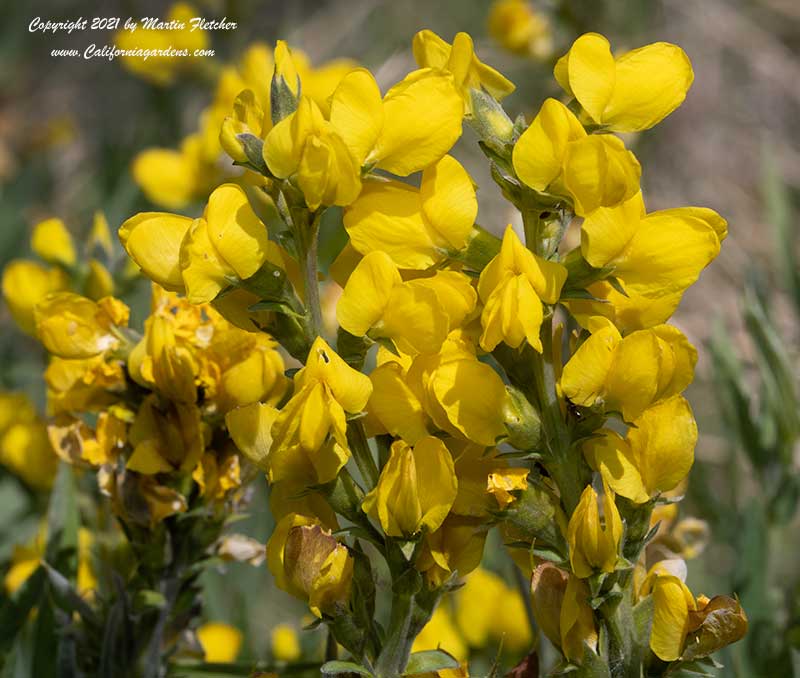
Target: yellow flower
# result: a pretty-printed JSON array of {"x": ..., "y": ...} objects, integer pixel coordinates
[
  {"x": 416, "y": 489},
  {"x": 440, "y": 633},
  {"x": 594, "y": 542},
  {"x": 306, "y": 145},
  {"x": 512, "y": 287},
  {"x": 99, "y": 282},
  {"x": 165, "y": 437},
  {"x": 285, "y": 643},
  {"x": 628, "y": 93},
  {"x": 655, "y": 456},
  {"x": 325, "y": 389},
  {"x": 451, "y": 391},
  {"x": 308, "y": 562},
  {"x": 162, "y": 69},
  {"x": 459, "y": 59},
  {"x": 655, "y": 256},
  {"x": 153, "y": 241},
  {"x": 248, "y": 118},
  {"x": 487, "y": 608},
  {"x": 53, "y": 243},
  {"x": 72, "y": 326},
  {"x": 501, "y": 484},
  {"x": 417, "y": 228},
  {"x": 561, "y": 608},
  {"x": 416, "y": 315},
  {"x": 629, "y": 374},
  {"x": 83, "y": 385},
  {"x": 457, "y": 546},
  {"x": 24, "y": 446},
  {"x": 220, "y": 642},
  {"x": 520, "y": 29},
  {"x": 409, "y": 129},
  {"x": 555, "y": 155},
  {"x": 25, "y": 284},
  {"x": 174, "y": 178},
  {"x": 218, "y": 474}
]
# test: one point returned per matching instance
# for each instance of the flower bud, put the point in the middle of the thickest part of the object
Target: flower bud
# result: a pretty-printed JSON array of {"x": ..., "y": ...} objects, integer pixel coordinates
[
  {"x": 521, "y": 421},
  {"x": 285, "y": 89},
  {"x": 53, "y": 243},
  {"x": 25, "y": 284},
  {"x": 416, "y": 488},
  {"x": 594, "y": 542}
]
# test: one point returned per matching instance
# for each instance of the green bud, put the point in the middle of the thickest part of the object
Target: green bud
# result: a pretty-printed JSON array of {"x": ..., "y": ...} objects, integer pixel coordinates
[{"x": 521, "y": 420}]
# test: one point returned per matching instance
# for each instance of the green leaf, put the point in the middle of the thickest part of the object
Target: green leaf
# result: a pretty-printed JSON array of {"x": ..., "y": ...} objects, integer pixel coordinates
[
  {"x": 429, "y": 661},
  {"x": 63, "y": 521},
  {"x": 334, "y": 668},
  {"x": 67, "y": 598},
  {"x": 253, "y": 147}
]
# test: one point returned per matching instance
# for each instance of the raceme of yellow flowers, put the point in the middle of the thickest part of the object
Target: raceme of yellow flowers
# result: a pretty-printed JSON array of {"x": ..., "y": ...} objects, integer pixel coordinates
[{"x": 475, "y": 381}]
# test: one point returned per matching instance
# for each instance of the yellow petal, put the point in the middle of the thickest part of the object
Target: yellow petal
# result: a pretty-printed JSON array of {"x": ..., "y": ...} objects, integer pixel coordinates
[
  {"x": 448, "y": 201},
  {"x": 204, "y": 273},
  {"x": 618, "y": 464},
  {"x": 422, "y": 122},
  {"x": 591, "y": 73},
  {"x": 584, "y": 377},
  {"x": 667, "y": 254},
  {"x": 367, "y": 293},
  {"x": 53, "y": 243},
  {"x": 600, "y": 172},
  {"x": 220, "y": 642},
  {"x": 153, "y": 241},
  {"x": 387, "y": 216},
  {"x": 670, "y": 617},
  {"x": 251, "y": 430},
  {"x": 632, "y": 381},
  {"x": 436, "y": 481},
  {"x": 415, "y": 320},
  {"x": 147, "y": 460},
  {"x": 357, "y": 112},
  {"x": 350, "y": 387},
  {"x": 539, "y": 153},
  {"x": 607, "y": 231},
  {"x": 25, "y": 284},
  {"x": 395, "y": 404},
  {"x": 473, "y": 397},
  {"x": 664, "y": 440},
  {"x": 167, "y": 177},
  {"x": 651, "y": 82}
]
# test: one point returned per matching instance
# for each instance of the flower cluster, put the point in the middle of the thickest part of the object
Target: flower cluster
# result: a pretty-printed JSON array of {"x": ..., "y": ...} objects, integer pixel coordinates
[{"x": 473, "y": 382}]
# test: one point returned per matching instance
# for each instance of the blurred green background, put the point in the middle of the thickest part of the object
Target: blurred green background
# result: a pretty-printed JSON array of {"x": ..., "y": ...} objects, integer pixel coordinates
[{"x": 69, "y": 129}]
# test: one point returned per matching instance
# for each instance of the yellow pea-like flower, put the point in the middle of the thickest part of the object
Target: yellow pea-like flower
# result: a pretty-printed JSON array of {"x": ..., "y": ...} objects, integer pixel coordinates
[
  {"x": 417, "y": 228},
  {"x": 416, "y": 315},
  {"x": 229, "y": 242},
  {"x": 165, "y": 438},
  {"x": 52, "y": 242},
  {"x": 628, "y": 374},
  {"x": 555, "y": 155},
  {"x": 560, "y": 604},
  {"x": 654, "y": 256},
  {"x": 72, "y": 326},
  {"x": 25, "y": 284},
  {"x": 655, "y": 456},
  {"x": 594, "y": 541},
  {"x": 412, "y": 127},
  {"x": 500, "y": 484},
  {"x": 325, "y": 389},
  {"x": 248, "y": 118},
  {"x": 308, "y": 562},
  {"x": 416, "y": 489},
  {"x": 512, "y": 287},
  {"x": 308, "y": 146},
  {"x": 457, "y": 546},
  {"x": 251, "y": 429},
  {"x": 469, "y": 72},
  {"x": 24, "y": 445},
  {"x": 153, "y": 240},
  {"x": 518, "y": 27},
  {"x": 628, "y": 93},
  {"x": 220, "y": 642}
]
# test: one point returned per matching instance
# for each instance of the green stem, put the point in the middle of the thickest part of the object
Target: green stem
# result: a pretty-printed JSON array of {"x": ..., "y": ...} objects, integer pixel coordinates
[
  {"x": 307, "y": 244},
  {"x": 359, "y": 447}
]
